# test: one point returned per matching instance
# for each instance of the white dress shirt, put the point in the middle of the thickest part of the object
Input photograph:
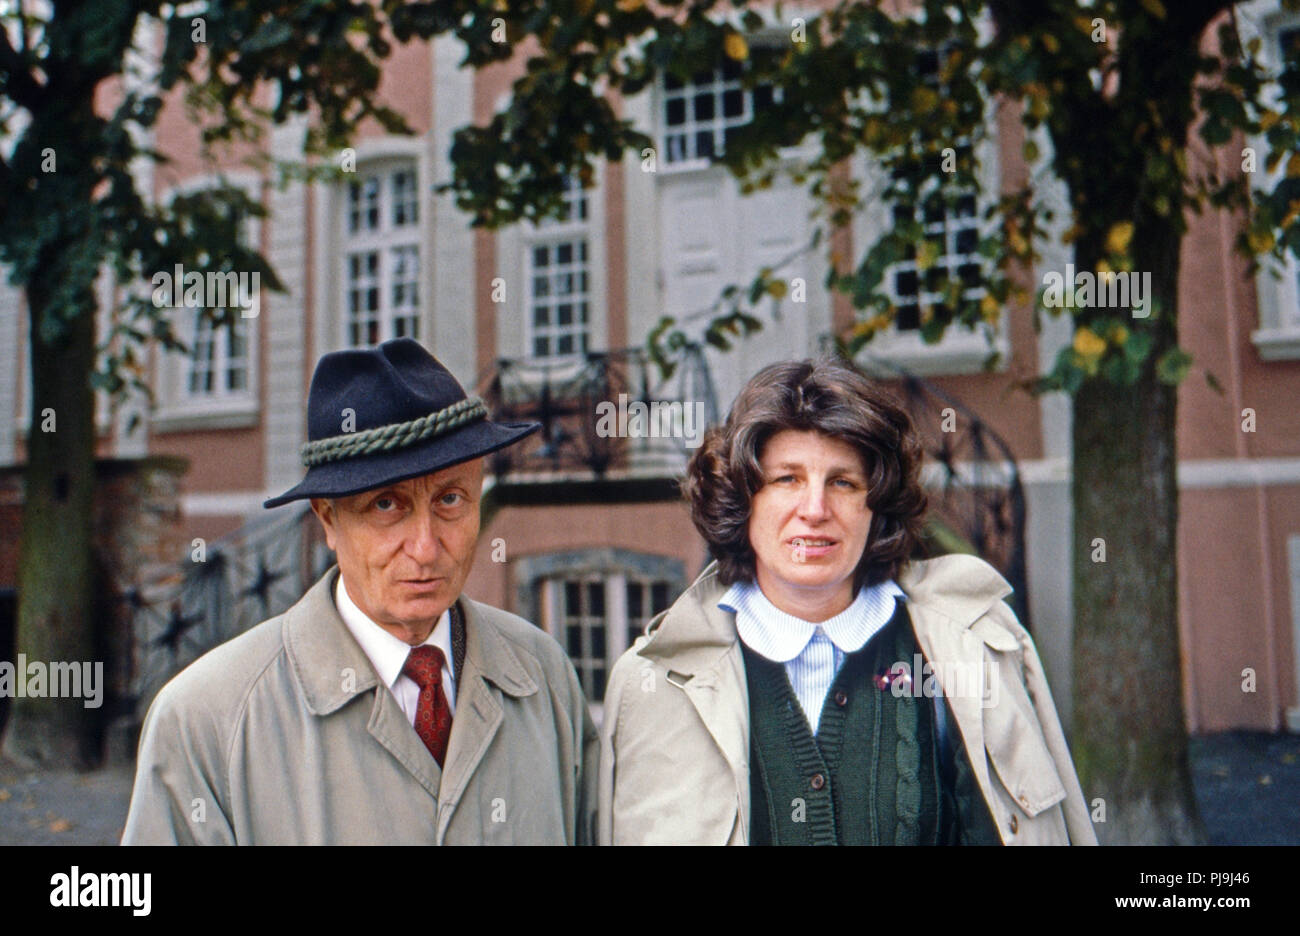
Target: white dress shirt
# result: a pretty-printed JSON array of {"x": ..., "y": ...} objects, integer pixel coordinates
[
  {"x": 812, "y": 653},
  {"x": 388, "y": 653}
]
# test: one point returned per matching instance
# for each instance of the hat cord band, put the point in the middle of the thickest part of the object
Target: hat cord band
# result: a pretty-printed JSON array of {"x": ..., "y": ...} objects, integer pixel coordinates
[{"x": 394, "y": 435}]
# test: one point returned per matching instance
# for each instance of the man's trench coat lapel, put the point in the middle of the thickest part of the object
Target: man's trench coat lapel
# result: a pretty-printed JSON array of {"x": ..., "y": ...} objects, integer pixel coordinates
[
  {"x": 332, "y": 670},
  {"x": 491, "y": 669}
]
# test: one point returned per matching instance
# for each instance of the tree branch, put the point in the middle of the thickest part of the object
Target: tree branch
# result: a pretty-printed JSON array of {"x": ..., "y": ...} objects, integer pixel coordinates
[{"x": 19, "y": 84}]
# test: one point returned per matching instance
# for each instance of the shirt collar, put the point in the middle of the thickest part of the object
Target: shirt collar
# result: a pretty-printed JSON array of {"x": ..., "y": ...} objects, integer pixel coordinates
[
  {"x": 781, "y": 637},
  {"x": 387, "y": 652}
]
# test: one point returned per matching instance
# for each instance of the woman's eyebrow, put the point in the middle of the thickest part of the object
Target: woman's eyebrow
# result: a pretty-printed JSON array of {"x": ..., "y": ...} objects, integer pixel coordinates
[{"x": 834, "y": 469}]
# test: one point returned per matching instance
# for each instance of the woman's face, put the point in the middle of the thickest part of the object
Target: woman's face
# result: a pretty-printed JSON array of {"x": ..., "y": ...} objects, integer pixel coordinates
[{"x": 809, "y": 522}]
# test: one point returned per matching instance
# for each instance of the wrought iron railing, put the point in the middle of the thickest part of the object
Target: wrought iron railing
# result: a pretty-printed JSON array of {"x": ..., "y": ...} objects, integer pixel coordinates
[
  {"x": 569, "y": 398},
  {"x": 977, "y": 500},
  {"x": 236, "y": 581}
]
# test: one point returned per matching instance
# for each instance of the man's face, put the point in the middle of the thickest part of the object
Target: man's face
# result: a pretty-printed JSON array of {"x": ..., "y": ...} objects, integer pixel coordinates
[
  {"x": 405, "y": 549},
  {"x": 809, "y": 522}
]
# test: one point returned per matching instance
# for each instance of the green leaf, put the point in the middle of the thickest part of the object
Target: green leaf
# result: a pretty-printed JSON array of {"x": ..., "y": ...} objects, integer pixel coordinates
[
  {"x": 1138, "y": 346},
  {"x": 1173, "y": 366}
]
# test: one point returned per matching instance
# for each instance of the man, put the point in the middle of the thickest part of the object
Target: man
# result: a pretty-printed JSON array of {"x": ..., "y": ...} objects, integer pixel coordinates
[
  {"x": 816, "y": 685},
  {"x": 385, "y": 706}
]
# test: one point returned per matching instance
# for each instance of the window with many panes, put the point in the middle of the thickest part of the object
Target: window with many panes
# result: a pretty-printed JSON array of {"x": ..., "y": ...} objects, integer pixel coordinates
[
  {"x": 596, "y": 623},
  {"x": 949, "y": 218},
  {"x": 583, "y": 629},
  {"x": 951, "y": 227},
  {"x": 558, "y": 281},
  {"x": 218, "y": 364},
  {"x": 218, "y": 361},
  {"x": 645, "y": 599},
  {"x": 696, "y": 117},
  {"x": 381, "y": 256}
]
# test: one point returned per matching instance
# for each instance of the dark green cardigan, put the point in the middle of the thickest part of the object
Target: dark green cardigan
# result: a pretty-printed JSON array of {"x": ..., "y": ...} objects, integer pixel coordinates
[{"x": 873, "y": 774}]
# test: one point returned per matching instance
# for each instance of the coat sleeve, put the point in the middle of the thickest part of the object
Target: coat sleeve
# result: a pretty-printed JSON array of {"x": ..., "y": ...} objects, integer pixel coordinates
[
  {"x": 1078, "y": 821},
  {"x": 179, "y": 792},
  {"x": 608, "y": 741}
]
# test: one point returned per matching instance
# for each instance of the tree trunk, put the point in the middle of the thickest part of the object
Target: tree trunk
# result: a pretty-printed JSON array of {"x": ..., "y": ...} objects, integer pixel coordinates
[
  {"x": 1130, "y": 737},
  {"x": 55, "y": 588}
]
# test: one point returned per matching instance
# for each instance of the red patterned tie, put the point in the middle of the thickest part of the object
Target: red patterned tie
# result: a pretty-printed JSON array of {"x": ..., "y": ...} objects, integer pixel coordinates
[{"x": 432, "y": 716}]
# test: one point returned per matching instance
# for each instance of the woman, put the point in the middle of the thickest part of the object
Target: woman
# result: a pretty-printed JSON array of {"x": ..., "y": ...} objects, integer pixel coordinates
[{"x": 814, "y": 686}]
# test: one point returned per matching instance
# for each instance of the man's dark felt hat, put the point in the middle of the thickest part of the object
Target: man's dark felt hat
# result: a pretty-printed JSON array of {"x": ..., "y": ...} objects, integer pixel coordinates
[{"x": 394, "y": 390}]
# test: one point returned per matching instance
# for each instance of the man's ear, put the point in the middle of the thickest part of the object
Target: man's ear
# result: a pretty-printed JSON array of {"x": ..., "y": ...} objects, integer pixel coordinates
[{"x": 326, "y": 514}]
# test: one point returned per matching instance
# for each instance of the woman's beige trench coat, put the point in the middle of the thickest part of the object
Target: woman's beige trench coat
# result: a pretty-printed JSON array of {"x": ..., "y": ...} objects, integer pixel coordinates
[
  {"x": 675, "y": 740},
  {"x": 285, "y": 735}
]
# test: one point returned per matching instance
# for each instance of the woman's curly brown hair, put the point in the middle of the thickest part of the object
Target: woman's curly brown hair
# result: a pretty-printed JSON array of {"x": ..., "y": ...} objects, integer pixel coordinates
[{"x": 825, "y": 395}]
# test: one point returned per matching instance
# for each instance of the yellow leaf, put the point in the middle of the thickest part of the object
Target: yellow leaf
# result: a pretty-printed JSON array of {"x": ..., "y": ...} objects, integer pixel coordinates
[
  {"x": 1087, "y": 344},
  {"x": 1118, "y": 335},
  {"x": 1155, "y": 8},
  {"x": 926, "y": 254},
  {"x": 870, "y": 326},
  {"x": 924, "y": 99},
  {"x": 1260, "y": 241},
  {"x": 60, "y": 825},
  {"x": 736, "y": 47},
  {"x": 776, "y": 289},
  {"x": 630, "y": 6},
  {"x": 1051, "y": 43},
  {"x": 1103, "y": 266},
  {"x": 1293, "y": 165},
  {"x": 1117, "y": 240},
  {"x": 1269, "y": 119}
]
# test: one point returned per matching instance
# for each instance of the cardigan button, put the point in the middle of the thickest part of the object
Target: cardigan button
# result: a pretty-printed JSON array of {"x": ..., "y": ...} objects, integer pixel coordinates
[
  {"x": 817, "y": 781},
  {"x": 841, "y": 698},
  {"x": 1015, "y": 825}
]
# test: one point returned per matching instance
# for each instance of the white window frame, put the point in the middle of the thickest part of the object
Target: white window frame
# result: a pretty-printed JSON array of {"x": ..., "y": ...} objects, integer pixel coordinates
[
  {"x": 717, "y": 87},
  {"x": 575, "y": 230},
  {"x": 617, "y": 621},
  {"x": 385, "y": 243},
  {"x": 960, "y": 350},
  {"x": 179, "y": 410},
  {"x": 513, "y": 267},
  {"x": 1277, "y": 283},
  {"x": 775, "y": 33}
]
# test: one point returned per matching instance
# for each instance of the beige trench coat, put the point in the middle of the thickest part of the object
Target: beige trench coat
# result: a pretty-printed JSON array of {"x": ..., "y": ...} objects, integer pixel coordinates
[
  {"x": 285, "y": 735},
  {"x": 675, "y": 740}
]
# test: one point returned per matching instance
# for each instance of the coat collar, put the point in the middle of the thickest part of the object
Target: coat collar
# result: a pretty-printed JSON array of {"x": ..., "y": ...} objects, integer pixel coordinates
[
  {"x": 695, "y": 633},
  {"x": 960, "y": 587},
  {"x": 332, "y": 669}
]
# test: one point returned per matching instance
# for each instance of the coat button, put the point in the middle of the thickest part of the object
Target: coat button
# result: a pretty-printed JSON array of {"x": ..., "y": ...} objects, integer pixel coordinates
[
  {"x": 817, "y": 781},
  {"x": 841, "y": 698},
  {"x": 1015, "y": 825}
]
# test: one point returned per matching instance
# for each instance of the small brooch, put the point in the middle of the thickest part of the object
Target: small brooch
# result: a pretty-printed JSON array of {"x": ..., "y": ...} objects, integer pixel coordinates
[{"x": 896, "y": 674}]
